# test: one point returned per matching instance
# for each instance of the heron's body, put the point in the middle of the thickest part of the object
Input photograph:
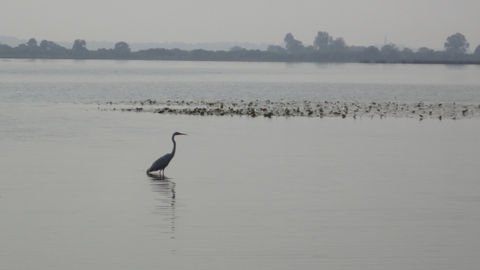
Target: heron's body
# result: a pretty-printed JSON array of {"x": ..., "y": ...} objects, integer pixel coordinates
[{"x": 161, "y": 163}]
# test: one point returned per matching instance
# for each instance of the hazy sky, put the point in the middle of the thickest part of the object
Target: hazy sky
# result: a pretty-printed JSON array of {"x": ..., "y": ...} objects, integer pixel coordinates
[{"x": 414, "y": 23}]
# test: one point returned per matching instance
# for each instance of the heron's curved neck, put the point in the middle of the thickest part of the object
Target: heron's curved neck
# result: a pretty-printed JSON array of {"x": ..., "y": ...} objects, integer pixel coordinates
[{"x": 174, "y": 145}]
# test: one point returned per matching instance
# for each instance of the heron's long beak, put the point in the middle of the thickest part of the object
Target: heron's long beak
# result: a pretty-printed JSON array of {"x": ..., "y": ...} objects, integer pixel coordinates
[{"x": 182, "y": 133}]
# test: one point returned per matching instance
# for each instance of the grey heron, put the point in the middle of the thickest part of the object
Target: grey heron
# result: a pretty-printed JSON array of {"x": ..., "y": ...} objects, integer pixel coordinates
[{"x": 161, "y": 163}]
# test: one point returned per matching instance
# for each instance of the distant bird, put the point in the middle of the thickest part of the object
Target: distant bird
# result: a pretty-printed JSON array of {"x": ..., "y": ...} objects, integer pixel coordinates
[{"x": 161, "y": 163}]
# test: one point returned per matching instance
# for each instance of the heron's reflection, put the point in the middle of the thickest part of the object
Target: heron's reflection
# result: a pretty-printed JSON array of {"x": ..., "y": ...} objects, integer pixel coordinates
[{"x": 166, "y": 202}]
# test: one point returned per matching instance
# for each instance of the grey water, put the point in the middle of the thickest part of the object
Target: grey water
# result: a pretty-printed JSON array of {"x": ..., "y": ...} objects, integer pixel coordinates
[
  {"x": 280, "y": 193},
  {"x": 101, "y": 80}
]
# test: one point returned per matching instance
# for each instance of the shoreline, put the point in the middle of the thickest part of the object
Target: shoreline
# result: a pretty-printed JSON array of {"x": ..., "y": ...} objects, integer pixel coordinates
[
  {"x": 320, "y": 109},
  {"x": 371, "y": 61}
]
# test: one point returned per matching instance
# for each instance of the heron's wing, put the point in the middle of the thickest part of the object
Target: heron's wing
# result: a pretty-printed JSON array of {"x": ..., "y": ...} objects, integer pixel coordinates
[{"x": 161, "y": 163}]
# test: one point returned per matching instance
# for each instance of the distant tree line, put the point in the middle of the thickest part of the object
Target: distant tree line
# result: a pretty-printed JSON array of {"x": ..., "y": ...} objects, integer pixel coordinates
[{"x": 324, "y": 48}]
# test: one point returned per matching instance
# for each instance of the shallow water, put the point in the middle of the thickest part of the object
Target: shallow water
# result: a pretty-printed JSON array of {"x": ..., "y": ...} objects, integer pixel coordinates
[{"x": 280, "y": 193}]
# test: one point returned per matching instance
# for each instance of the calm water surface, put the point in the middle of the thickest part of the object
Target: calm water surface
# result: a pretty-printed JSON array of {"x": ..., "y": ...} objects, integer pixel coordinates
[
  {"x": 282, "y": 193},
  {"x": 100, "y": 80}
]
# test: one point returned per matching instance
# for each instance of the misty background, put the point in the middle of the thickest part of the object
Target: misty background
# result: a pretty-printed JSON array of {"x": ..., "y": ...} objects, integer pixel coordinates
[
  {"x": 148, "y": 23},
  {"x": 136, "y": 46}
]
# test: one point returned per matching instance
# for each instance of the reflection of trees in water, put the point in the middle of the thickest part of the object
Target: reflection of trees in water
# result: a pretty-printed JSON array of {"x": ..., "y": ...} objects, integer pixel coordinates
[{"x": 166, "y": 205}]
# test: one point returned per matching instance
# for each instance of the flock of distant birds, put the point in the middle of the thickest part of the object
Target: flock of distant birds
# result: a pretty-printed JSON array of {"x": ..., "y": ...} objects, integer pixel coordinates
[{"x": 269, "y": 109}]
